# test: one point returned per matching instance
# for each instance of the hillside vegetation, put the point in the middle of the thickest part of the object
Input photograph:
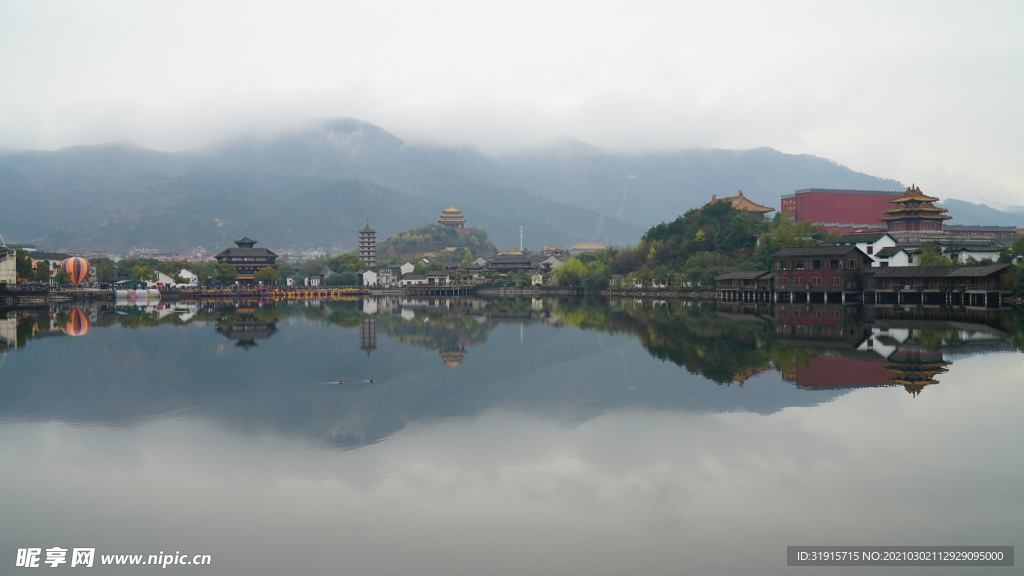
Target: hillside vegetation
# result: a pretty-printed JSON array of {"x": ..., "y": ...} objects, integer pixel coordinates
[{"x": 435, "y": 238}]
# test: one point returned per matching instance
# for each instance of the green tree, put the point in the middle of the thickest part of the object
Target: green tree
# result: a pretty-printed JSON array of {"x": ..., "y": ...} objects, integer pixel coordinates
[
  {"x": 224, "y": 272},
  {"x": 1019, "y": 279},
  {"x": 23, "y": 264},
  {"x": 1018, "y": 246},
  {"x": 61, "y": 277},
  {"x": 267, "y": 275},
  {"x": 345, "y": 263},
  {"x": 144, "y": 274},
  {"x": 42, "y": 273},
  {"x": 285, "y": 269},
  {"x": 105, "y": 272},
  {"x": 704, "y": 267},
  {"x": 931, "y": 255},
  {"x": 124, "y": 267},
  {"x": 342, "y": 279},
  {"x": 571, "y": 273}
]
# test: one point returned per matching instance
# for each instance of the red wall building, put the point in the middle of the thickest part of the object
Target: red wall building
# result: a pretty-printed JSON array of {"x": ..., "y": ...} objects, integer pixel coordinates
[
  {"x": 832, "y": 371},
  {"x": 840, "y": 211}
]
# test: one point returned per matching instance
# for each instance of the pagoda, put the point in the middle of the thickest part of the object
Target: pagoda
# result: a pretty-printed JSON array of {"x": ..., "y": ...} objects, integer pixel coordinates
[
  {"x": 453, "y": 356},
  {"x": 741, "y": 202},
  {"x": 452, "y": 218},
  {"x": 914, "y": 212},
  {"x": 368, "y": 246},
  {"x": 246, "y": 258},
  {"x": 914, "y": 368}
]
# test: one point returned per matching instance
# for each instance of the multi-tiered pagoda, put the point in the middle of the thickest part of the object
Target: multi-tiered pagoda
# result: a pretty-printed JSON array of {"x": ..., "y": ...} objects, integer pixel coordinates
[
  {"x": 452, "y": 218},
  {"x": 368, "y": 246},
  {"x": 914, "y": 212}
]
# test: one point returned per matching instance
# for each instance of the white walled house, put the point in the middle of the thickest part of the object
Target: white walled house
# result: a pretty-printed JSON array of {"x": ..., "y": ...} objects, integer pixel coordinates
[
  {"x": 871, "y": 243},
  {"x": 412, "y": 279},
  {"x": 368, "y": 278},
  {"x": 892, "y": 256}
]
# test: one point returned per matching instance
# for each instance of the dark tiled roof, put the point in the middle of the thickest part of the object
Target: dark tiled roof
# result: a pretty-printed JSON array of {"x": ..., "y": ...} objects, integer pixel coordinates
[
  {"x": 367, "y": 230},
  {"x": 890, "y": 251},
  {"x": 744, "y": 275},
  {"x": 938, "y": 271},
  {"x": 47, "y": 256},
  {"x": 840, "y": 250},
  {"x": 969, "y": 248},
  {"x": 510, "y": 259},
  {"x": 414, "y": 277},
  {"x": 861, "y": 237},
  {"x": 246, "y": 252}
]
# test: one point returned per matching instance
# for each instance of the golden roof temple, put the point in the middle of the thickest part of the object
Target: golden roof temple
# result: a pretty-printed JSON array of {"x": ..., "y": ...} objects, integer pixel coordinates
[
  {"x": 914, "y": 211},
  {"x": 741, "y": 202},
  {"x": 452, "y": 218}
]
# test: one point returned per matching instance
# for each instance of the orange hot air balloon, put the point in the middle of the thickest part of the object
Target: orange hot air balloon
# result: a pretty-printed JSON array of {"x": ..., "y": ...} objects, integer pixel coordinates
[
  {"x": 77, "y": 269},
  {"x": 78, "y": 323}
]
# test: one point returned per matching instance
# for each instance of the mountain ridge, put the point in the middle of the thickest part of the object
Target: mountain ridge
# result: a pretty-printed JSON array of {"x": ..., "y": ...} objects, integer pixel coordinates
[{"x": 315, "y": 185}]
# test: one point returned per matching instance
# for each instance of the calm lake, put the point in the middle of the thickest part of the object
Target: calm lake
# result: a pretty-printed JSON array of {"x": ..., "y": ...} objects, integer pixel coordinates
[{"x": 514, "y": 436}]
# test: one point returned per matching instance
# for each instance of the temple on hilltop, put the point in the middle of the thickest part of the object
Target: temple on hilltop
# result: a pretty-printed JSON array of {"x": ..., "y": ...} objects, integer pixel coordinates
[
  {"x": 247, "y": 259},
  {"x": 452, "y": 217},
  {"x": 368, "y": 246},
  {"x": 741, "y": 202},
  {"x": 913, "y": 212}
]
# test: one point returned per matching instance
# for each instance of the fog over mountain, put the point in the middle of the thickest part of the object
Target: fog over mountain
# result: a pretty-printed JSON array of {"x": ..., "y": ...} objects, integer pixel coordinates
[{"x": 318, "y": 184}]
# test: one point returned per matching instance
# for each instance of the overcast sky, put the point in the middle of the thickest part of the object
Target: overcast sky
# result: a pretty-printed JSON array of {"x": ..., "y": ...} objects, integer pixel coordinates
[{"x": 925, "y": 92}]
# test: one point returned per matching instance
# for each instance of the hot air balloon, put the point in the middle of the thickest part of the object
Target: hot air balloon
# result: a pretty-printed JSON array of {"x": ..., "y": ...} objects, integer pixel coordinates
[
  {"x": 78, "y": 323},
  {"x": 77, "y": 269}
]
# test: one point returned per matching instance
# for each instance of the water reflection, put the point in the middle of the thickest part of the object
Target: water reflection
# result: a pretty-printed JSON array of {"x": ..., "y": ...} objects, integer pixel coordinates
[
  {"x": 377, "y": 346},
  {"x": 493, "y": 436}
]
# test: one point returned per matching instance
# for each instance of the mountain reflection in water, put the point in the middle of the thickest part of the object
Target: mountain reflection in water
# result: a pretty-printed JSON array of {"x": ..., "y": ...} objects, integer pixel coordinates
[{"x": 406, "y": 360}]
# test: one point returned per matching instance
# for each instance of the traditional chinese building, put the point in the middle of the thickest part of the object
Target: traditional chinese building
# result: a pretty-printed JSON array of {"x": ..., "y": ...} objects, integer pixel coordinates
[
  {"x": 453, "y": 356},
  {"x": 510, "y": 263},
  {"x": 741, "y": 202},
  {"x": 368, "y": 246},
  {"x": 982, "y": 286},
  {"x": 585, "y": 247},
  {"x": 247, "y": 259},
  {"x": 452, "y": 217},
  {"x": 838, "y": 210},
  {"x": 247, "y": 329},
  {"x": 819, "y": 273},
  {"x": 368, "y": 335},
  {"x": 914, "y": 211}
]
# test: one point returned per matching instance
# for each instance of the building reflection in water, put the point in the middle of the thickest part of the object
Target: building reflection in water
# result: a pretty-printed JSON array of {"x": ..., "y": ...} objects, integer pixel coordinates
[
  {"x": 830, "y": 346},
  {"x": 368, "y": 335},
  {"x": 246, "y": 328},
  {"x": 453, "y": 357}
]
